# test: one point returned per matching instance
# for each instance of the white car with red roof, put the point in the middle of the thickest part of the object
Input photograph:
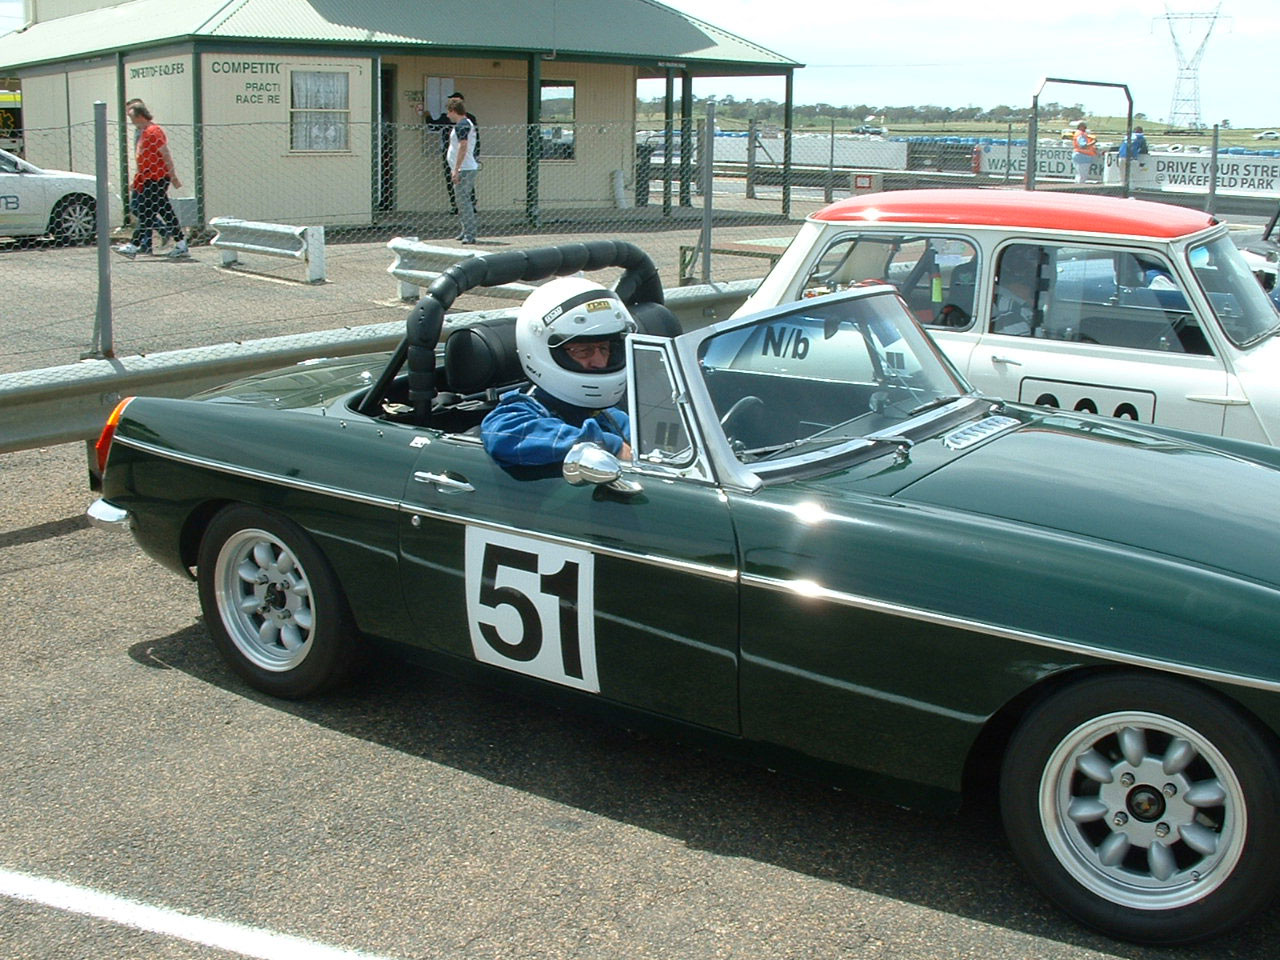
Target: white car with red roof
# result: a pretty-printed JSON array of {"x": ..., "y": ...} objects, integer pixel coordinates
[{"x": 1104, "y": 305}]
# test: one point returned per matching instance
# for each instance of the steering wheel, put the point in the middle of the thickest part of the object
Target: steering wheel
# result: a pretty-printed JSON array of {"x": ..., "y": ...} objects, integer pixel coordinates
[{"x": 743, "y": 406}]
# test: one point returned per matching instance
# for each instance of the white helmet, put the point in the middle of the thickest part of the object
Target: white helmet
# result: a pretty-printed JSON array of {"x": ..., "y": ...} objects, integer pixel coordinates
[{"x": 560, "y": 312}]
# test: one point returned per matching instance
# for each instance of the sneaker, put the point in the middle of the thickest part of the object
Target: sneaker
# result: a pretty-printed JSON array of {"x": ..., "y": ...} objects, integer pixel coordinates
[
  {"x": 179, "y": 250},
  {"x": 129, "y": 250},
  {"x": 468, "y": 240}
]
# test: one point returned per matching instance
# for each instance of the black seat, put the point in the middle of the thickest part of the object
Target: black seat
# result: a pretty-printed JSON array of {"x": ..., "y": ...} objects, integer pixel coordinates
[{"x": 482, "y": 357}]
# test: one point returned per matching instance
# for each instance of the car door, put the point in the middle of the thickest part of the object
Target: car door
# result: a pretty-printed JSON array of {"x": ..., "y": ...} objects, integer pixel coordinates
[
  {"x": 1102, "y": 330},
  {"x": 23, "y": 207},
  {"x": 631, "y": 597}
]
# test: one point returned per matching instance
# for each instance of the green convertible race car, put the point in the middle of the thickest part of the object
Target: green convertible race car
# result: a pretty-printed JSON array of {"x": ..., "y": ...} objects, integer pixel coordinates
[{"x": 826, "y": 548}]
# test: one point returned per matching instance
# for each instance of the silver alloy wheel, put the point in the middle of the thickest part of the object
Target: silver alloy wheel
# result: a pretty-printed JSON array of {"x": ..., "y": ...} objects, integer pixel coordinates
[
  {"x": 1143, "y": 811},
  {"x": 264, "y": 599},
  {"x": 75, "y": 221}
]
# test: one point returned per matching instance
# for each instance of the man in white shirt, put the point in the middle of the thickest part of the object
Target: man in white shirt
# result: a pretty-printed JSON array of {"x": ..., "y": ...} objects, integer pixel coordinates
[{"x": 463, "y": 166}]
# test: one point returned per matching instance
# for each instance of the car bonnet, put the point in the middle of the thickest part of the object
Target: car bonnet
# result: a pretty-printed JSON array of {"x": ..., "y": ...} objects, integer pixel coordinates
[{"x": 1113, "y": 483}]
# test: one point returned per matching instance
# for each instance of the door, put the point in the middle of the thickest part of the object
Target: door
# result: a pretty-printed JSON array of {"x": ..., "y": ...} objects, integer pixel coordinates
[
  {"x": 24, "y": 207},
  {"x": 1096, "y": 329},
  {"x": 629, "y": 598}
]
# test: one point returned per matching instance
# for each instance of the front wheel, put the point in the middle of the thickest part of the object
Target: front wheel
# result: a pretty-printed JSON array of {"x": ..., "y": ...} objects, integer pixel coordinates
[
  {"x": 1145, "y": 806},
  {"x": 273, "y": 605}
]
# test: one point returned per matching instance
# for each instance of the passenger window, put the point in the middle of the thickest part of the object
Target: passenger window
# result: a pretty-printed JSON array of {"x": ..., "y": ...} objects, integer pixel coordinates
[
  {"x": 1094, "y": 295},
  {"x": 936, "y": 276}
]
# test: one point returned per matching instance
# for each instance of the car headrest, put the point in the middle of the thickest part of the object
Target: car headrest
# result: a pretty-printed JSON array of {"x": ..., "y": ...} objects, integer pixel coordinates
[{"x": 482, "y": 356}]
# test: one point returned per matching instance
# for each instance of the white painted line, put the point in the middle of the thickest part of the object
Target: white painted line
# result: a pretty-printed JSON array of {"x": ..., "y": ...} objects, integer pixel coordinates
[{"x": 232, "y": 937}]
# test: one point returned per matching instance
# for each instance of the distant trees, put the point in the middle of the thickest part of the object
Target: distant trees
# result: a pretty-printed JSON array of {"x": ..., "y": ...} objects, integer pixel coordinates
[{"x": 771, "y": 111}]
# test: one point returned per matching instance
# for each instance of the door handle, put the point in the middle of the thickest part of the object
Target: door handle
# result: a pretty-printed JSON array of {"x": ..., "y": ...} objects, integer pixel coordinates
[
  {"x": 1007, "y": 360},
  {"x": 443, "y": 481}
]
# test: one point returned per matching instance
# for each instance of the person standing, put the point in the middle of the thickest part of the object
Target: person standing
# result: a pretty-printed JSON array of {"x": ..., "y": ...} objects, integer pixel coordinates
[
  {"x": 1084, "y": 151},
  {"x": 462, "y": 166},
  {"x": 152, "y": 176}
]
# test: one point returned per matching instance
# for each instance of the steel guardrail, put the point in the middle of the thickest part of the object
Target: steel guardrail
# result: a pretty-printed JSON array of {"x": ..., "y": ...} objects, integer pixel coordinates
[{"x": 64, "y": 404}]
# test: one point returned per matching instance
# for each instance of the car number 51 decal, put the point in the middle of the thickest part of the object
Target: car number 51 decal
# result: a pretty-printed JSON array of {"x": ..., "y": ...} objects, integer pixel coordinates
[{"x": 531, "y": 607}]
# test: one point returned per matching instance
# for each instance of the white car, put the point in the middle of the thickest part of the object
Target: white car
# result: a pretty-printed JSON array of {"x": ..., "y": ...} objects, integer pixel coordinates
[
  {"x": 1138, "y": 310},
  {"x": 35, "y": 202},
  {"x": 1267, "y": 135}
]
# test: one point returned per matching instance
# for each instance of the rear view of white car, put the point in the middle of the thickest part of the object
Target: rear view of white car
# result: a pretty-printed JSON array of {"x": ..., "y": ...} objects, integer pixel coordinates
[
  {"x": 1123, "y": 308},
  {"x": 35, "y": 202}
]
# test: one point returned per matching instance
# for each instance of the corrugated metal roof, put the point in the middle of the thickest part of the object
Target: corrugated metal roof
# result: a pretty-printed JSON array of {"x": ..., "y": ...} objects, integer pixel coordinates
[{"x": 629, "y": 29}]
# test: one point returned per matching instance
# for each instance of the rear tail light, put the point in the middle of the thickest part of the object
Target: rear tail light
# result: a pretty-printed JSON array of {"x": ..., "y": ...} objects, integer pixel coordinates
[{"x": 103, "y": 446}]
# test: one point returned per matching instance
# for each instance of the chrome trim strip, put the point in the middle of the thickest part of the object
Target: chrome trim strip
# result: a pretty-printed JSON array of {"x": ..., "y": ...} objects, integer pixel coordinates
[
  {"x": 249, "y": 474},
  {"x": 810, "y": 590},
  {"x": 706, "y": 570},
  {"x": 725, "y": 574}
]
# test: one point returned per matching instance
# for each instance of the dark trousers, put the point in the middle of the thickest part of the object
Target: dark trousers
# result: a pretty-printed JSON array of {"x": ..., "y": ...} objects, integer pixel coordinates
[{"x": 155, "y": 212}]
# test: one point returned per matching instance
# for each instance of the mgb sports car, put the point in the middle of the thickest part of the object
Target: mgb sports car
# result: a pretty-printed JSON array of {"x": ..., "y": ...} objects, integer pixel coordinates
[{"x": 825, "y": 547}]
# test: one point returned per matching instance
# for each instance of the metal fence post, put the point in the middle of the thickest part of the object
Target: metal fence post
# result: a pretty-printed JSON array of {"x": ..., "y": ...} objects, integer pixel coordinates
[
  {"x": 831, "y": 165},
  {"x": 752, "y": 133},
  {"x": 103, "y": 342},
  {"x": 708, "y": 159},
  {"x": 1211, "y": 200}
]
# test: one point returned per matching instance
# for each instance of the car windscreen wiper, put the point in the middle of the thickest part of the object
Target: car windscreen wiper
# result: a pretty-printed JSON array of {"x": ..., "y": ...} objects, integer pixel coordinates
[{"x": 937, "y": 402}]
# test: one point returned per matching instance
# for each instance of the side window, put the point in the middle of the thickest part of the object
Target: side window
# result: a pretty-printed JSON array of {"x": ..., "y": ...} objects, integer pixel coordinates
[
  {"x": 1119, "y": 298},
  {"x": 1021, "y": 290},
  {"x": 660, "y": 431},
  {"x": 936, "y": 276}
]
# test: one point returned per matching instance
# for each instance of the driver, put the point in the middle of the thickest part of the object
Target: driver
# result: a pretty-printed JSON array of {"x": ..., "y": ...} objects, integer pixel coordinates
[{"x": 569, "y": 334}]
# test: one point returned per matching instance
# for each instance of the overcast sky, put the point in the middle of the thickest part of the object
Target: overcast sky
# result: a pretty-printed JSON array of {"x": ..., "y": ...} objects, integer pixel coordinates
[{"x": 906, "y": 52}]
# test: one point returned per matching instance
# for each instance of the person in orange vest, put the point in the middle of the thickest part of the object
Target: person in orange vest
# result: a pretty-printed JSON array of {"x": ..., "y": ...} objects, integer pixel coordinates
[{"x": 1084, "y": 151}]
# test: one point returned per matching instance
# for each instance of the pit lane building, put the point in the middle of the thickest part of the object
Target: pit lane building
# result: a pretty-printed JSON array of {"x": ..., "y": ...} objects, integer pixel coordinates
[{"x": 321, "y": 104}]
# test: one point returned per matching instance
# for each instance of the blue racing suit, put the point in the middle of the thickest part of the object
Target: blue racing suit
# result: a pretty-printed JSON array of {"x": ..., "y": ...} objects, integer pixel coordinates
[{"x": 535, "y": 429}]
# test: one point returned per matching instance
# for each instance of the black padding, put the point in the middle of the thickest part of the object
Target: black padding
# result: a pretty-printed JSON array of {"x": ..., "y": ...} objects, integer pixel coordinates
[
  {"x": 639, "y": 283},
  {"x": 656, "y": 319},
  {"x": 482, "y": 356}
]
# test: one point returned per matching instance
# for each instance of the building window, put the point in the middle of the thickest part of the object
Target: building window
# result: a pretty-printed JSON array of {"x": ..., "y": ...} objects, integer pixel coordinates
[
  {"x": 319, "y": 111},
  {"x": 557, "y": 119}
]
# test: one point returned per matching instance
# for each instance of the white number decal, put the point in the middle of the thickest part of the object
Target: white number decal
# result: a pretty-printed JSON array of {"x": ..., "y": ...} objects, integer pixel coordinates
[{"x": 531, "y": 607}]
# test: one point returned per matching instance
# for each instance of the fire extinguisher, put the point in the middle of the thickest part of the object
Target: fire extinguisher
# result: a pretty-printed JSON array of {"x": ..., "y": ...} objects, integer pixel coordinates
[{"x": 977, "y": 159}]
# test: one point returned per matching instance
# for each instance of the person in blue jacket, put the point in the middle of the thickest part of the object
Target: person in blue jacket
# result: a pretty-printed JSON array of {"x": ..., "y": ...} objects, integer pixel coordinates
[{"x": 569, "y": 334}]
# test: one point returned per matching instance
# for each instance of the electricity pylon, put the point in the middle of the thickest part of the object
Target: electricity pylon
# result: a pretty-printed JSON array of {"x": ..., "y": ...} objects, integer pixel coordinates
[{"x": 1185, "y": 109}]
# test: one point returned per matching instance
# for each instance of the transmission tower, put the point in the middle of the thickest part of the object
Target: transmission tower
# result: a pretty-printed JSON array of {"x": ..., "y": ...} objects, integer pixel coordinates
[{"x": 1185, "y": 109}]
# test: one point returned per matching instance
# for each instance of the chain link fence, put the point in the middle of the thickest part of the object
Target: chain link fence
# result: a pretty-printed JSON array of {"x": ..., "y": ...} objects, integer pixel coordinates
[{"x": 705, "y": 209}]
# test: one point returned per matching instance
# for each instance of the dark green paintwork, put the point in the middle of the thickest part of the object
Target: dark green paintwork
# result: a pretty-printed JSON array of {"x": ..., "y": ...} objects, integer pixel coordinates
[{"x": 1138, "y": 546}]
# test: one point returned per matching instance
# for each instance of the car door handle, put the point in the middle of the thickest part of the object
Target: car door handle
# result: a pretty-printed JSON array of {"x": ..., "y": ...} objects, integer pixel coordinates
[
  {"x": 444, "y": 481},
  {"x": 1007, "y": 360}
]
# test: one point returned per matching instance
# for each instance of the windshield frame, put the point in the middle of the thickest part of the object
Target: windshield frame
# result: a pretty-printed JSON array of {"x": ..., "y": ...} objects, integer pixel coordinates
[{"x": 750, "y": 475}]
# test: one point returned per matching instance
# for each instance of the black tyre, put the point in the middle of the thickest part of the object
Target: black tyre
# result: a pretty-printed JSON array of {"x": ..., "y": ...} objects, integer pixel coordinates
[
  {"x": 1145, "y": 806},
  {"x": 73, "y": 220},
  {"x": 273, "y": 605}
]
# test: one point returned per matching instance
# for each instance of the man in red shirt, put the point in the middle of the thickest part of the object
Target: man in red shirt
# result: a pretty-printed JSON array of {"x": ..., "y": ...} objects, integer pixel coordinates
[{"x": 154, "y": 172}]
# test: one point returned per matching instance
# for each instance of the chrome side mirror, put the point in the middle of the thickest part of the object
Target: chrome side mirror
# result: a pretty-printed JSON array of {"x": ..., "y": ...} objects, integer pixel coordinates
[{"x": 588, "y": 463}]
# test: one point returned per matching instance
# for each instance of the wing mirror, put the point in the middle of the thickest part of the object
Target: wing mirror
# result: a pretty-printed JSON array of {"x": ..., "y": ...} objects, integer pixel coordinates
[{"x": 588, "y": 463}]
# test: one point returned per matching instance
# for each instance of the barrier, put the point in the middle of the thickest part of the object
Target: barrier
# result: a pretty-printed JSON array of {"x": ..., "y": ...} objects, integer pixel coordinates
[
  {"x": 272, "y": 240},
  {"x": 69, "y": 403},
  {"x": 418, "y": 264}
]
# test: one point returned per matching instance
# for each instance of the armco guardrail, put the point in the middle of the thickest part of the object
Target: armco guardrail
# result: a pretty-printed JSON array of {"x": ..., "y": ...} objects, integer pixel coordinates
[
  {"x": 235, "y": 237},
  {"x": 418, "y": 264},
  {"x": 64, "y": 404}
]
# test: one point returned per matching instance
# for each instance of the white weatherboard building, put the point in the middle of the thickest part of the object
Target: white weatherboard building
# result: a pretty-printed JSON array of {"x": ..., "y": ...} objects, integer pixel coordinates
[{"x": 321, "y": 104}]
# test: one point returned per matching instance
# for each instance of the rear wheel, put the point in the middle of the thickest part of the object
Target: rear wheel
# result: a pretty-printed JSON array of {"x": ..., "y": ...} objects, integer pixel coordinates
[
  {"x": 273, "y": 605},
  {"x": 73, "y": 220},
  {"x": 1145, "y": 806}
]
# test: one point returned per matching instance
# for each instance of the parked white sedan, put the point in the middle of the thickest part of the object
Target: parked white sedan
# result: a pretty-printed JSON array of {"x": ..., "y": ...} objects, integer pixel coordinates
[
  {"x": 1138, "y": 310},
  {"x": 35, "y": 202}
]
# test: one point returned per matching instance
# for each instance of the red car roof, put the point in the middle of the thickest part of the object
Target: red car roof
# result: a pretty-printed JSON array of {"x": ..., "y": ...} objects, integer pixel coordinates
[{"x": 1031, "y": 209}]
